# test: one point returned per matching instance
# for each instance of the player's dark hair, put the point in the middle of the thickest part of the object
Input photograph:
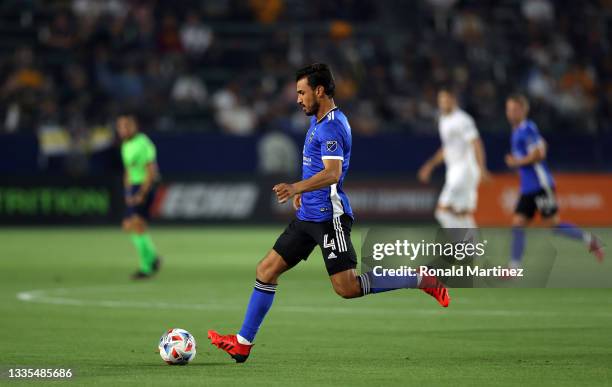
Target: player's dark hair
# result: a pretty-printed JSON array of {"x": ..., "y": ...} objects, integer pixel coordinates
[
  {"x": 520, "y": 99},
  {"x": 448, "y": 89},
  {"x": 130, "y": 114},
  {"x": 318, "y": 74}
]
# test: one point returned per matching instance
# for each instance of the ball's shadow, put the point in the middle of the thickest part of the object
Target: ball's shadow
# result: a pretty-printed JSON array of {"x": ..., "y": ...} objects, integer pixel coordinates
[{"x": 190, "y": 365}]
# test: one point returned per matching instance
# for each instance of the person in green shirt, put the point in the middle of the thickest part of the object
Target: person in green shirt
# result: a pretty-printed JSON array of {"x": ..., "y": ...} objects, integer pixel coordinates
[{"x": 140, "y": 177}]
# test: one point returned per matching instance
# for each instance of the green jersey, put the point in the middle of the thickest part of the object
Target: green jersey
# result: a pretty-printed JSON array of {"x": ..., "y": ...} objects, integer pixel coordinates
[{"x": 136, "y": 153}]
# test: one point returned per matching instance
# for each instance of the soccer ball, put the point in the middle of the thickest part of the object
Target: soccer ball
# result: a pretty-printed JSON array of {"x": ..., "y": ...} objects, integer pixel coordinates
[{"x": 177, "y": 346}]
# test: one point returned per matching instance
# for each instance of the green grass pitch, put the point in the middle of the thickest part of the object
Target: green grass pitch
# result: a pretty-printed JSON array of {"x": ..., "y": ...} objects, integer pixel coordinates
[{"x": 78, "y": 310}]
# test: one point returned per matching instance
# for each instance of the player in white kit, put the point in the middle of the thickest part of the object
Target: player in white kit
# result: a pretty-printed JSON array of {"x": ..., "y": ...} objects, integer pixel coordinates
[{"x": 464, "y": 156}]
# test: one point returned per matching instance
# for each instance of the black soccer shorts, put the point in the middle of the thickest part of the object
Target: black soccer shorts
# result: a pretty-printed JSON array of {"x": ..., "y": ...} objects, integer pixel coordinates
[
  {"x": 143, "y": 209},
  {"x": 333, "y": 237},
  {"x": 543, "y": 201}
]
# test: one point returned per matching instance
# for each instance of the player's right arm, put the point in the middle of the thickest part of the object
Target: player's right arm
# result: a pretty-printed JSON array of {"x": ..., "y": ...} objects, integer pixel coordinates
[
  {"x": 328, "y": 176},
  {"x": 536, "y": 154},
  {"x": 145, "y": 187},
  {"x": 536, "y": 151},
  {"x": 126, "y": 187},
  {"x": 431, "y": 164},
  {"x": 126, "y": 176}
]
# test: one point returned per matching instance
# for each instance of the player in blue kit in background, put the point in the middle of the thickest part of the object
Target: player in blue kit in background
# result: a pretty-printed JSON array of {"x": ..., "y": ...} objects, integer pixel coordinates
[
  {"x": 323, "y": 217},
  {"x": 537, "y": 184}
]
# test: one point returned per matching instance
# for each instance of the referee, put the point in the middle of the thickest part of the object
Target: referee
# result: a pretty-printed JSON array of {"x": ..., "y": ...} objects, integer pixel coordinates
[{"x": 141, "y": 175}]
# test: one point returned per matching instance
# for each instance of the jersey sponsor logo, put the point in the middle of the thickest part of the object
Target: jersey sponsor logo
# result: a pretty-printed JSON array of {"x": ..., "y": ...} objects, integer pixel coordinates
[
  {"x": 332, "y": 255},
  {"x": 331, "y": 146}
]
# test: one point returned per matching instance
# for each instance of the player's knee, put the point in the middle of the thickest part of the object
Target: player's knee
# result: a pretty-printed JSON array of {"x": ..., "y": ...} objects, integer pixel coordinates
[
  {"x": 268, "y": 270},
  {"x": 552, "y": 221},
  {"x": 126, "y": 225},
  {"x": 519, "y": 221},
  {"x": 266, "y": 273},
  {"x": 347, "y": 291},
  {"x": 344, "y": 293},
  {"x": 139, "y": 225},
  {"x": 443, "y": 212},
  {"x": 446, "y": 217},
  {"x": 262, "y": 272}
]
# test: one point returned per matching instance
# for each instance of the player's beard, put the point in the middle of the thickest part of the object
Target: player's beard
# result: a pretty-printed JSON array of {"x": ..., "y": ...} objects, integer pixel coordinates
[{"x": 313, "y": 109}]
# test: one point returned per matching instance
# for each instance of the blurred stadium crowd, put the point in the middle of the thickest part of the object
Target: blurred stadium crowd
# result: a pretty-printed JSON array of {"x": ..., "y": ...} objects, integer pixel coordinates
[{"x": 228, "y": 65}]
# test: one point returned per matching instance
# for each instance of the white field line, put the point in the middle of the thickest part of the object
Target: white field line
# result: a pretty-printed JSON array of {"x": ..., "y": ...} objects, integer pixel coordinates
[{"x": 46, "y": 296}]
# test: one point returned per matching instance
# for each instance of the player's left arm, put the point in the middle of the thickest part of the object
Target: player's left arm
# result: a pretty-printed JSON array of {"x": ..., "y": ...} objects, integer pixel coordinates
[
  {"x": 328, "y": 176},
  {"x": 471, "y": 135},
  {"x": 481, "y": 158}
]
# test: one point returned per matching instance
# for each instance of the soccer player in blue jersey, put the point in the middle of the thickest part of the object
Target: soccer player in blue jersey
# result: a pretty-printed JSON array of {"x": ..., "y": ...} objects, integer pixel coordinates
[
  {"x": 323, "y": 217},
  {"x": 537, "y": 184}
]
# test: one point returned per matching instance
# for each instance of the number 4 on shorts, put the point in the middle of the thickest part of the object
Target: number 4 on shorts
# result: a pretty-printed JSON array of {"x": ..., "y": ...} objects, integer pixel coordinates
[{"x": 329, "y": 244}]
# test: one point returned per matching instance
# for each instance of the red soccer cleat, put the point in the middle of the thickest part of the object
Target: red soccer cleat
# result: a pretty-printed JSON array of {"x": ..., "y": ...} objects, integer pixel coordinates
[
  {"x": 436, "y": 289},
  {"x": 230, "y": 344},
  {"x": 596, "y": 248}
]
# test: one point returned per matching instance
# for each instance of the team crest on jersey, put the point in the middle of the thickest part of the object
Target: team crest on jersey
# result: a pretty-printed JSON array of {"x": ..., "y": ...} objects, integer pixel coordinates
[{"x": 332, "y": 146}]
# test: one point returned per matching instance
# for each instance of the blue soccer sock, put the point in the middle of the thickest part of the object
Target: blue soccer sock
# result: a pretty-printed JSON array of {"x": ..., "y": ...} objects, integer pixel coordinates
[
  {"x": 259, "y": 305},
  {"x": 571, "y": 231},
  {"x": 371, "y": 283},
  {"x": 518, "y": 245}
]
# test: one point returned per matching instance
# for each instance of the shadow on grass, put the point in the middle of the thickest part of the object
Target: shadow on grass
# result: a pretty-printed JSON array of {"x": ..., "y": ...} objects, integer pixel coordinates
[{"x": 190, "y": 365}]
